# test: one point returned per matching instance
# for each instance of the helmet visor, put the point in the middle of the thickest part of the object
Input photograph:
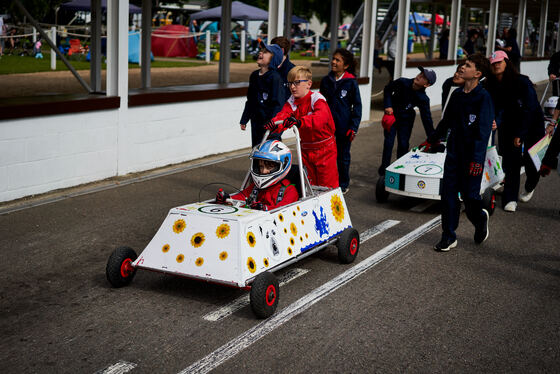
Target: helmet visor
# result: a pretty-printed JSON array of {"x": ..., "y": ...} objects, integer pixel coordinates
[{"x": 265, "y": 167}]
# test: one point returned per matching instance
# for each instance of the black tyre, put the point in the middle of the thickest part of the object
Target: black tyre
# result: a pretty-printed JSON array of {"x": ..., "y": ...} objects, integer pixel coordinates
[
  {"x": 265, "y": 292},
  {"x": 489, "y": 200},
  {"x": 348, "y": 245},
  {"x": 381, "y": 195},
  {"x": 119, "y": 267}
]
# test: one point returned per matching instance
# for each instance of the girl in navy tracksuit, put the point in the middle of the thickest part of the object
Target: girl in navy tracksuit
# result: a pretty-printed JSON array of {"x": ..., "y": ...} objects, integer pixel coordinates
[
  {"x": 340, "y": 88},
  {"x": 265, "y": 96}
]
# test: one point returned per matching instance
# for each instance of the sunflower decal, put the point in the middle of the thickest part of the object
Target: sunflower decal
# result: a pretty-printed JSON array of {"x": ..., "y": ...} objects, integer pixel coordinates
[
  {"x": 285, "y": 230},
  {"x": 290, "y": 251},
  {"x": 223, "y": 255},
  {"x": 337, "y": 208},
  {"x": 180, "y": 258},
  {"x": 293, "y": 229},
  {"x": 281, "y": 217},
  {"x": 294, "y": 213},
  {"x": 179, "y": 226},
  {"x": 199, "y": 261},
  {"x": 251, "y": 239},
  {"x": 302, "y": 222},
  {"x": 300, "y": 238},
  {"x": 292, "y": 241},
  {"x": 222, "y": 231},
  {"x": 165, "y": 248},
  {"x": 197, "y": 239},
  {"x": 265, "y": 261},
  {"x": 251, "y": 265}
]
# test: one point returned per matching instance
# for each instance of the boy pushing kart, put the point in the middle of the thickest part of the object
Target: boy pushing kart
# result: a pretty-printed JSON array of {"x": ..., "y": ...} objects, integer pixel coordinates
[{"x": 310, "y": 112}]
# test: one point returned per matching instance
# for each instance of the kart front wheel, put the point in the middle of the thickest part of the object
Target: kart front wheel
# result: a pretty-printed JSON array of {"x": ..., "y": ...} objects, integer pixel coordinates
[
  {"x": 348, "y": 245},
  {"x": 489, "y": 200},
  {"x": 119, "y": 267},
  {"x": 265, "y": 292},
  {"x": 381, "y": 195}
]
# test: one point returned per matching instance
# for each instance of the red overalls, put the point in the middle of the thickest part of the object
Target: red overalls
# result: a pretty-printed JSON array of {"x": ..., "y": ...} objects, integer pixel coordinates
[
  {"x": 318, "y": 143},
  {"x": 269, "y": 196}
]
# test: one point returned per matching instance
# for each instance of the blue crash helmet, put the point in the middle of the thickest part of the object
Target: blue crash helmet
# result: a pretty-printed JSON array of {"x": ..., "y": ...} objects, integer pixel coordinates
[{"x": 271, "y": 151}]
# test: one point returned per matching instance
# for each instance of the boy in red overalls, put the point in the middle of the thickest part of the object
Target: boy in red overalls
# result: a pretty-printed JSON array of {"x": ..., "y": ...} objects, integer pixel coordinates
[{"x": 310, "y": 112}]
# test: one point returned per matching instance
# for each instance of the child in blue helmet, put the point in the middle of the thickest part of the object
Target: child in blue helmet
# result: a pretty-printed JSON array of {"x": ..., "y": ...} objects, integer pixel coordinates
[
  {"x": 265, "y": 95},
  {"x": 269, "y": 188}
]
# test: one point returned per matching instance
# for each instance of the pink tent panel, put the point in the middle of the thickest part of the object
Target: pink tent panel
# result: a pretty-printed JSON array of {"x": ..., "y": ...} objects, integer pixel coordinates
[{"x": 171, "y": 41}]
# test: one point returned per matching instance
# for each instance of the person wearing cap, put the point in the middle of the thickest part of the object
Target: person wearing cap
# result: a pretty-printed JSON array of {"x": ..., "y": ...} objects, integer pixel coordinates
[
  {"x": 265, "y": 95},
  {"x": 468, "y": 119},
  {"x": 286, "y": 65},
  {"x": 520, "y": 120},
  {"x": 401, "y": 96}
]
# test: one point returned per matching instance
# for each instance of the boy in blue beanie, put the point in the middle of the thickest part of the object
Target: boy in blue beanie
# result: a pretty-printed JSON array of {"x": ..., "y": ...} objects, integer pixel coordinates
[{"x": 265, "y": 95}]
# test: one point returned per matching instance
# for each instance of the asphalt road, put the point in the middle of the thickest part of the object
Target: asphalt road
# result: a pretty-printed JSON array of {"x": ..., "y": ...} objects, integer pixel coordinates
[{"x": 479, "y": 308}]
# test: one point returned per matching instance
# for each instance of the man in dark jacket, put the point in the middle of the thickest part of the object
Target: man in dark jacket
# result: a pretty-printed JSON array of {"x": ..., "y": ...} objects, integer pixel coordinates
[
  {"x": 469, "y": 117},
  {"x": 400, "y": 98}
]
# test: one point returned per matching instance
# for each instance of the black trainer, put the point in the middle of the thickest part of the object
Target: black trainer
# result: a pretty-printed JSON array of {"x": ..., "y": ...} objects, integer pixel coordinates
[
  {"x": 481, "y": 232},
  {"x": 445, "y": 245}
]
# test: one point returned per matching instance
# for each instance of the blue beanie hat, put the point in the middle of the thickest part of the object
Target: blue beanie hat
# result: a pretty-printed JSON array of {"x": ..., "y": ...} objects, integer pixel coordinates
[{"x": 278, "y": 54}]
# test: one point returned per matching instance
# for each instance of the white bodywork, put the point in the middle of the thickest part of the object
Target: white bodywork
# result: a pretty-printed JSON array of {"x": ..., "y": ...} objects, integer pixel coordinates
[
  {"x": 231, "y": 245},
  {"x": 419, "y": 174}
]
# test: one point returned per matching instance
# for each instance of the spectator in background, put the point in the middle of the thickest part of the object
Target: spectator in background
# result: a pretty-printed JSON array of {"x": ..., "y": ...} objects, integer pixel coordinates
[
  {"x": 391, "y": 54},
  {"x": 451, "y": 84},
  {"x": 341, "y": 90},
  {"x": 511, "y": 47},
  {"x": 554, "y": 72},
  {"x": 411, "y": 38},
  {"x": 265, "y": 95},
  {"x": 469, "y": 45},
  {"x": 2, "y": 34},
  {"x": 443, "y": 44},
  {"x": 286, "y": 65},
  {"x": 520, "y": 120}
]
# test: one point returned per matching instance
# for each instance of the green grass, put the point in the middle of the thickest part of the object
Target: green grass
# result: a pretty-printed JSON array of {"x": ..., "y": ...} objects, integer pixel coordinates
[{"x": 28, "y": 64}]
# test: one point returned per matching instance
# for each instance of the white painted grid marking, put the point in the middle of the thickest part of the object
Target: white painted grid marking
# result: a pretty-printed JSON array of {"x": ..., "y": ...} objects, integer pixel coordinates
[
  {"x": 234, "y": 346},
  {"x": 288, "y": 276},
  {"x": 118, "y": 368},
  {"x": 243, "y": 301}
]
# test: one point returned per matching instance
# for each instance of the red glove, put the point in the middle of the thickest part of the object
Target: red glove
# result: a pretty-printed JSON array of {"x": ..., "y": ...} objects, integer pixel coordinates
[
  {"x": 270, "y": 126},
  {"x": 427, "y": 145},
  {"x": 258, "y": 206},
  {"x": 387, "y": 121},
  {"x": 475, "y": 169},
  {"x": 545, "y": 170},
  {"x": 291, "y": 121},
  {"x": 351, "y": 134},
  {"x": 221, "y": 196}
]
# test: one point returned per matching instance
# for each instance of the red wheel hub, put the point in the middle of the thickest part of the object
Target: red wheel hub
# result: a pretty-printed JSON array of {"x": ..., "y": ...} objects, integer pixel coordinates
[
  {"x": 270, "y": 295},
  {"x": 126, "y": 268},
  {"x": 493, "y": 202},
  {"x": 353, "y": 246}
]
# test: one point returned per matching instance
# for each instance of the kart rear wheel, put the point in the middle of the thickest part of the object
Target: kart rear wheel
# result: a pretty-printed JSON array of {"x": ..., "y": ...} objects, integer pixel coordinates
[
  {"x": 265, "y": 292},
  {"x": 489, "y": 200},
  {"x": 119, "y": 267},
  {"x": 381, "y": 195},
  {"x": 348, "y": 245}
]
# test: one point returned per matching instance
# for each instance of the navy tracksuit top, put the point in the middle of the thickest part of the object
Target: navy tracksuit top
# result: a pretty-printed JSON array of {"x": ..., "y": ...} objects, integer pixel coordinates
[
  {"x": 469, "y": 116},
  {"x": 345, "y": 103},
  {"x": 265, "y": 97},
  {"x": 400, "y": 96}
]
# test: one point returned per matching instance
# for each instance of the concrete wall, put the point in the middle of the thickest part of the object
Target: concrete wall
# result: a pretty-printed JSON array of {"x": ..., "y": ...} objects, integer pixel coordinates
[{"x": 38, "y": 155}]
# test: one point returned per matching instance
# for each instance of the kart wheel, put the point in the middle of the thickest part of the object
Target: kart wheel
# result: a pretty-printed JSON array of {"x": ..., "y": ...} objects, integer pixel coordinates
[
  {"x": 489, "y": 200},
  {"x": 265, "y": 292},
  {"x": 348, "y": 245},
  {"x": 119, "y": 267},
  {"x": 381, "y": 195}
]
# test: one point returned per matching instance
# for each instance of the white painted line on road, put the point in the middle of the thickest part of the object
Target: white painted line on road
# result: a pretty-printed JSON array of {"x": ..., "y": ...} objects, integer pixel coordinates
[
  {"x": 118, "y": 368},
  {"x": 376, "y": 230},
  {"x": 243, "y": 301},
  {"x": 422, "y": 206},
  {"x": 288, "y": 276},
  {"x": 235, "y": 346}
]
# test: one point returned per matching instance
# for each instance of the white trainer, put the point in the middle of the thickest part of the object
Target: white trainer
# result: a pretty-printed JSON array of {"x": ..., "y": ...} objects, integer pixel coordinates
[
  {"x": 526, "y": 196},
  {"x": 511, "y": 206}
]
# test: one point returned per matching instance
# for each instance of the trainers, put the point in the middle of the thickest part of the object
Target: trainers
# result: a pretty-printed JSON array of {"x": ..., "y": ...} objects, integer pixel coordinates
[
  {"x": 481, "y": 232},
  {"x": 344, "y": 190},
  {"x": 445, "y": 245},
  {"x": 526, "y": 196},
  {"x": 511, "y": 206}
]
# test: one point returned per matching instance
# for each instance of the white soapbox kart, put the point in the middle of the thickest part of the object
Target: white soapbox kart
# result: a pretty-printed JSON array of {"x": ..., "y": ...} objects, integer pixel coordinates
[
  {"x": 241, "y": 247},
  {"x": 419, "y": 174}
]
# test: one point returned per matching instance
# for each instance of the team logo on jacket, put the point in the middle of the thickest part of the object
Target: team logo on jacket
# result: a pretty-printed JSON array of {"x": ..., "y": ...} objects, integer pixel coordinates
[
  {"x": 343, "y": 93},
  {"x": 265, "y": 95},
  {"x": 472, "y": 118}
]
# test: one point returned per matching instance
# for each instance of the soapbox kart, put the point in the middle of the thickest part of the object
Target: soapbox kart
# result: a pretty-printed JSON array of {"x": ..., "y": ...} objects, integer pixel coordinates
[
  {"x": 419, "y": 174},
  {"x": 241, "y": 247}
]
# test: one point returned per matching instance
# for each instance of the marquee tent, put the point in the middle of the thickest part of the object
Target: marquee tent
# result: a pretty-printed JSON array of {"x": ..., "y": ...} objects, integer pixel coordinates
[
  {"x": 173, "y": 41},
  {"x": 85, "y": 6}
]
